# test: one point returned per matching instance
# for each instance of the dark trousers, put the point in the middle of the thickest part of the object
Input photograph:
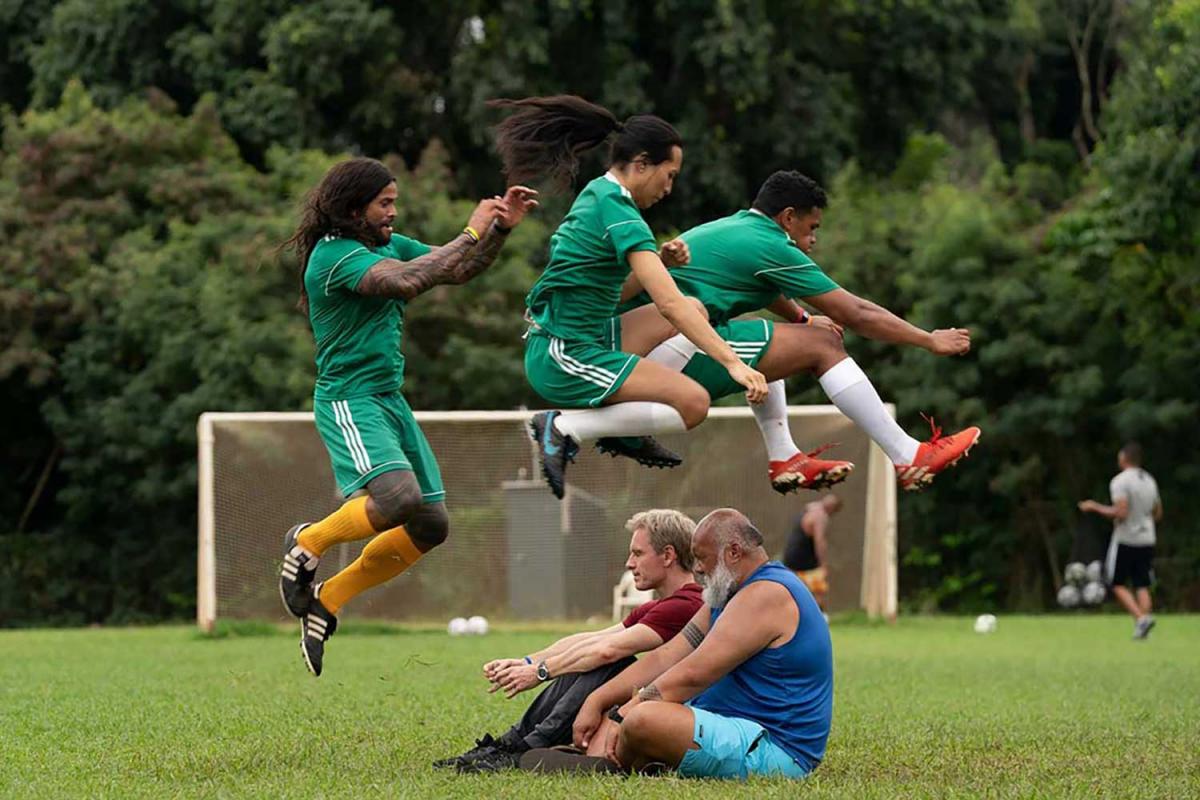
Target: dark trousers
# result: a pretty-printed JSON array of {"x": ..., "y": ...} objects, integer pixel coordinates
[{"x": 549, "y": 719}]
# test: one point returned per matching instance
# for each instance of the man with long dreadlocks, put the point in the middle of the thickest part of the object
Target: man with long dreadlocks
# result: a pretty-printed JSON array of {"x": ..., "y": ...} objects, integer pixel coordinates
[{"x": 357, "y": 276}]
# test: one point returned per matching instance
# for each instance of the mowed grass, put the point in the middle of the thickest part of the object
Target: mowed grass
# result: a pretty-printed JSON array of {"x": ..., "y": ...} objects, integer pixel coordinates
[{"x": 1046, "y": 706}]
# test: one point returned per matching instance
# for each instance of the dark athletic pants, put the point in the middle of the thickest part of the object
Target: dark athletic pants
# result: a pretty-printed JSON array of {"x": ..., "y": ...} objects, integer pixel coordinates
[{"x": 549, "y": 719}]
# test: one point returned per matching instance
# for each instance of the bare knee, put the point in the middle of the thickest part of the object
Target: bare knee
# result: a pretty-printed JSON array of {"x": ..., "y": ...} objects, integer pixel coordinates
[
  {"x": 429, "y": 527},
  {"x": 395, "y": 497},
  {"x": 809, "y": 348},
  {"x": 693, "y": 405},
  {"x": 638, "y": 724}
]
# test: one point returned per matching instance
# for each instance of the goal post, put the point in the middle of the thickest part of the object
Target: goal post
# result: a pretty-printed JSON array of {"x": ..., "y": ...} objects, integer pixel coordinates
[{"x": 515, "y": 552}]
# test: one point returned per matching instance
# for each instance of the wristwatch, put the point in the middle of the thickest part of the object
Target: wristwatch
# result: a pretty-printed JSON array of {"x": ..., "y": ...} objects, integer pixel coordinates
[{"x": 543, "y": 674}]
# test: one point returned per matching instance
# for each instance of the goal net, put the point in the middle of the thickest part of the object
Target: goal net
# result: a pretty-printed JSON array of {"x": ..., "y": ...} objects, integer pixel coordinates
[{"x": 515, "y": 552}]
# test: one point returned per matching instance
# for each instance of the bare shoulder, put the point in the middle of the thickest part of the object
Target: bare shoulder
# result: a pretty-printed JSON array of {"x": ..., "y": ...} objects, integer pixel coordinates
[{"x": 758, "y": 597}]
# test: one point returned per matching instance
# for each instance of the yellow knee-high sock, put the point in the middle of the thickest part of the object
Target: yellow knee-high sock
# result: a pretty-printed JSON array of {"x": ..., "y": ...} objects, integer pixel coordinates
[
  {"x": 384, "y": 557},
  {"x": 348, "y": 524}
]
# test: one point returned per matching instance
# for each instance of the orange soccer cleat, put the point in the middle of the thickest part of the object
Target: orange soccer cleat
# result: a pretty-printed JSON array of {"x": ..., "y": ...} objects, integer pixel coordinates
[
  {"x": 805, "y": 470},
  {"x": 935, "y": 455}
]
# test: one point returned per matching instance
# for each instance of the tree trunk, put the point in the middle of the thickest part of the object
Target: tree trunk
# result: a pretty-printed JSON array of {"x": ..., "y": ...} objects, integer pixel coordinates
[{"x": 1024, "y": 103}]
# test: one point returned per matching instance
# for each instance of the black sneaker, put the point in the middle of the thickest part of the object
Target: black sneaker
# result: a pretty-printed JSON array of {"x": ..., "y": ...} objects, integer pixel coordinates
[
  {"x": 482, "y": 746},
  {"x": 315, "y": 629},
  {"x": 499, "y": 758},
  {"x": 296, "y": 575},
  {"x": 643, "y": 449},
  {"x": 554, "y": 450}
]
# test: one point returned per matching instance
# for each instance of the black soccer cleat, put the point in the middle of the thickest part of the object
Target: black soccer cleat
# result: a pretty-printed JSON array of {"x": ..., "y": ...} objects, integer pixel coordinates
[
  {"x": 643, "y": 449},
  {"x": 315, "y": 629},
  {"x": 554, "y": 450},
  {"x": 297, "y": 573},
  {"x": 482, "y": 747}
]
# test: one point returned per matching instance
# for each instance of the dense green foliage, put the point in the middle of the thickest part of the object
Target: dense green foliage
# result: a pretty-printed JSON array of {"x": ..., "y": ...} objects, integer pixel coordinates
[
  {"x": 1052, "y": 706},
  {"x": 1028, "y": 168}
]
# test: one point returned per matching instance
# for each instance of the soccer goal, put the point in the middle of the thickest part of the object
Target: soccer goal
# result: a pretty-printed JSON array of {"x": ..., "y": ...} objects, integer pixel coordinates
[{"x": 515, "y": 552}]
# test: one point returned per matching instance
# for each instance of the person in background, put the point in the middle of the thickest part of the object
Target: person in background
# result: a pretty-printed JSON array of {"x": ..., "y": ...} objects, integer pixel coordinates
[
  {"x": 805, "y": 553},
  {"x": 1136, "y": 507}
]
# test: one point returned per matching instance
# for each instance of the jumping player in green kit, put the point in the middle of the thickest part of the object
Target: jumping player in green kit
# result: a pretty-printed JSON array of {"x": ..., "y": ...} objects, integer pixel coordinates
[
  {"x": 357, "y": 277},
  {"x": 759, "y": 258},
  {"x": 575, "y": 357}
]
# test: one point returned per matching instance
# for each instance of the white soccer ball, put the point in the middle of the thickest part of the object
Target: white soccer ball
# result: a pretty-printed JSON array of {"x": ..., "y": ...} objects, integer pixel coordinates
[
  {"x": 1093, "y": 593},
  {"x": 1095, "y": 572},
  {"x": 477, "y": 625},
  {"x": 1076, "y": 573},
  {"x": 1068, "y": 596},
  {"x": 985, "y": 623},
  {"x": 458, "y": 626}
]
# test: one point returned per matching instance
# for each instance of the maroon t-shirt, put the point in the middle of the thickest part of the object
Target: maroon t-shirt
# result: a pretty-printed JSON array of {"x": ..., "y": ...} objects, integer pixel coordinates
[{"x": 667, "y": 616}]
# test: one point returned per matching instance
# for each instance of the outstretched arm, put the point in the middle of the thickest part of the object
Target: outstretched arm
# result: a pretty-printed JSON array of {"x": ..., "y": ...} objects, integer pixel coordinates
[
  {"x": 876, "y": 322},
  {"x": 457, "y": 261},
  {"x": 1117, "y": 511},
  {"x": 460, "y": 259}
]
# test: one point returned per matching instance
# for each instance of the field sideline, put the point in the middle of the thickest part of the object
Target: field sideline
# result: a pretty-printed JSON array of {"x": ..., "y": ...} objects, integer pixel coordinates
[{"x": 1047, "y": 706}]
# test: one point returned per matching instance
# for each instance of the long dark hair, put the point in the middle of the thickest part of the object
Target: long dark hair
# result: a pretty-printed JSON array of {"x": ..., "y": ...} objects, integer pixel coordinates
[
  {"x": 545, "y": 136},
  {"x": 335, "y": 205}
]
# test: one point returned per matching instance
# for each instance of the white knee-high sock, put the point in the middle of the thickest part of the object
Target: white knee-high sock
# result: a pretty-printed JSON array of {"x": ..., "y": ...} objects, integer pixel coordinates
[
  {"x": 640, "y": 418},
  {"x": 674, "y": 353},
  {"x": 771, "y": 416},
  {"x": 851, "y": 391}
]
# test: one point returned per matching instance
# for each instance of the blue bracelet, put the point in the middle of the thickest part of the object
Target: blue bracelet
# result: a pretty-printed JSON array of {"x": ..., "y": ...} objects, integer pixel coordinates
[{"x": 528, "y": 660}]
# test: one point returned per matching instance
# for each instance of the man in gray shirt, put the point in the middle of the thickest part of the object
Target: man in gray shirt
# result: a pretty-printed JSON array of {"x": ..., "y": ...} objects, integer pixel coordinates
[{"x": 1135, "y": 508}]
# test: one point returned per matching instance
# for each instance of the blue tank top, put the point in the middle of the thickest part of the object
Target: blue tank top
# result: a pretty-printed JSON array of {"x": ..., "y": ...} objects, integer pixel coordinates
[{"x": 788, "y": 690}]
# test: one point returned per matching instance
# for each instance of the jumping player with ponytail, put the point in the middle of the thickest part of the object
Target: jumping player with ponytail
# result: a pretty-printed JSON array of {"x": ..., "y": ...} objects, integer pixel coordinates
[{"x": 576, "y": 355}]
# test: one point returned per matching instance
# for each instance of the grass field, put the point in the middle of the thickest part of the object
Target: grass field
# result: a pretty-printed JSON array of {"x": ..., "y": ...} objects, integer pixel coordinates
[{"x": 1047, "y": 706}]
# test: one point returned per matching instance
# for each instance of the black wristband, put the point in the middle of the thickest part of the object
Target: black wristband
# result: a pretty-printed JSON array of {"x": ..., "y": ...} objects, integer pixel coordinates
[
  {"x": 500, "y": 229},
  {"x": 614, "y": 714}
]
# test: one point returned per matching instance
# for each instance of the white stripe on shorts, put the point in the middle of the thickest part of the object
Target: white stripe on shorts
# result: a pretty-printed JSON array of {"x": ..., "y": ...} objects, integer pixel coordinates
[
  {"x": 358, "y": 452},
  {"x": 597, "y": 371},
  {"x": 590, "y": 373}
]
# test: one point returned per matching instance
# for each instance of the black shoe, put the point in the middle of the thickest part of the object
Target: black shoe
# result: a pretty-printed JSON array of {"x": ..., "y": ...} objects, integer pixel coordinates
[
  {"x": 315, "y": 629},
  {"x": 482, "y": 747},
  {"x": 495, "y": 761},
  {"x": 643, "y": 449},
  {"x": 296, "y": 575},
  {"x": 554, "y": 449}
]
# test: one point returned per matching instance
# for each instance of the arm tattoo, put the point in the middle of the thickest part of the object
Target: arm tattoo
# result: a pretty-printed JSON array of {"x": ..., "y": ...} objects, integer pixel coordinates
[
  {"x": 693, "y": 634},
  {"x": 650, "y": 692},
  {"x": 458, "y": 261}
]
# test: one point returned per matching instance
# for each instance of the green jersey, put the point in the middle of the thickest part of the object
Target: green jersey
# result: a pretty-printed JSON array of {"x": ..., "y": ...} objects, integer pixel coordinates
[
  {"x": 358, "y": 337},
  {"x": 578, "y": 292},
  {"x": 742, "y": 263}
]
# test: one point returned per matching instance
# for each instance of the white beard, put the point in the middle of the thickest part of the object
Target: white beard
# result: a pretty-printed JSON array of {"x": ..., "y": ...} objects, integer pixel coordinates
[{"x": 719, "y": 586}]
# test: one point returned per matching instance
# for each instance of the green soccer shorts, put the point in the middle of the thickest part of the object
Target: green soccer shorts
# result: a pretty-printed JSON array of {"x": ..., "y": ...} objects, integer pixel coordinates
[
  {"x": 749, "y": 339},
  {"x": 368, "y": 436},
  {"x": 571, "y": 374}
]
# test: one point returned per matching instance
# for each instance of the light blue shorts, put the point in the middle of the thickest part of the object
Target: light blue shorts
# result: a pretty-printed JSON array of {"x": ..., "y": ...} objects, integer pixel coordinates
[{"x": 735, "y": 748}]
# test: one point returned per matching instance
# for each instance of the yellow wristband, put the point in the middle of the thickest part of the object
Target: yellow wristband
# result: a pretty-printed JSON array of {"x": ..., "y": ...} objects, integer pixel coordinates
[{"x": 474, "y": 234}]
